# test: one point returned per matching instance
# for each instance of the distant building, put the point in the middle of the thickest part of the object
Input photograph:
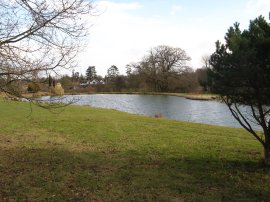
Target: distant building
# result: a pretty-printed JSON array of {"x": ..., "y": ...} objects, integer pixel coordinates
[{"x": 94, "y": 82}]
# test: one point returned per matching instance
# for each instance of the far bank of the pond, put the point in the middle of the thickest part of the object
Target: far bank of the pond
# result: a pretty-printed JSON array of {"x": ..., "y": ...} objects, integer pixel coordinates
[{"x": 191, "y": 96}]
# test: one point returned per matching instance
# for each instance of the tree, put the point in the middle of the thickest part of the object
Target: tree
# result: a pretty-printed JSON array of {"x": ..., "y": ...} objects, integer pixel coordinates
[
  {"x": 202, "y": 73},
  {"x": 112, "y": 78},
  {"x": 202, "y": 76},
  {"x": 91, "y": 73},
  {"x": 185, "y": 82},
  {"x": 133, "y": 79},
  {"x": 39, "y": 36},
  {"x": 112, "y": 72},
  {"x": 50, "y": 81},
  {"x": 128, "y": 70},
  {"x": 206, "y": 61},
  {"x": 66, "y": 82},
  {"x": 240, "y": 73},
  {"x": 75, "y": 76},
  {"x": 120, "y": 83},
  {"x": 162, "y": 63},
  {"x": 33, "y": 87}
]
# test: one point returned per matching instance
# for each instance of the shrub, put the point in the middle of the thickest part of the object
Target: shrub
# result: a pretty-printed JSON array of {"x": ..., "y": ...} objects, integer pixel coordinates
[
  {"x": 58, "y": 90},
  {"x": 33, "y": 87}
]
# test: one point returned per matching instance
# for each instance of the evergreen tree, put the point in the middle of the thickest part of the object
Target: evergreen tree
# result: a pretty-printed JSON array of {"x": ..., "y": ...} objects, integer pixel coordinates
[
  {"x": 112, "y": 72},
  {"x": 91, "y": 73},
  {"x": 240, "y": 74}
]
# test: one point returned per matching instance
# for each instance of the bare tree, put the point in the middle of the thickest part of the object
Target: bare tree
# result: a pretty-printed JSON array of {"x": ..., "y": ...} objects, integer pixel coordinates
[
  {"x": 202, "y": 73},
  {"x": 38, "y": 37},
  {"x": 161, "y": 63},
  {"x": 206, "y": 61}
]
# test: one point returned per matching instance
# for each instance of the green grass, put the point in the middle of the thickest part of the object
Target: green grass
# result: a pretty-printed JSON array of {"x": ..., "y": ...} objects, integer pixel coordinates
[{"x": 88, "y": 154}]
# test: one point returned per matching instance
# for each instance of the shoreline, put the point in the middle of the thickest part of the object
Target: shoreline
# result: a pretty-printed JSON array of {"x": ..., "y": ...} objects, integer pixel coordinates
[{"x": 191, "y": 96}]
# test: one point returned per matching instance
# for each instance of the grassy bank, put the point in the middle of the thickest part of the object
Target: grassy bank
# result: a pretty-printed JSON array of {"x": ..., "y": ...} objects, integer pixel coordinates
[{"x": 88, "y": 154}]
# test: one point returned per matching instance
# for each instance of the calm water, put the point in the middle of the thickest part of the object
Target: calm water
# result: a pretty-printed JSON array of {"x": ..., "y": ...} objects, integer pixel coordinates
[{"x": 171, "y": 107}]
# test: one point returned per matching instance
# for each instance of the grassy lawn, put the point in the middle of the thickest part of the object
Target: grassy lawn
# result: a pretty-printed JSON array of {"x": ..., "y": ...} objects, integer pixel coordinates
[{"x": 88, "y": 154}]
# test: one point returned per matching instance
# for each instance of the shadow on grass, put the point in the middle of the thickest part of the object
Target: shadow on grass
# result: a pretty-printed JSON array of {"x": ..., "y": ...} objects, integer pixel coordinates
[{"x": 59, "y": 175}]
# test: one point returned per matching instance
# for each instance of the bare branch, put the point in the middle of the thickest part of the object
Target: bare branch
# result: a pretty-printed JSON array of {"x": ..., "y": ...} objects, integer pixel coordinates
[{"x": 39, "y": 36}]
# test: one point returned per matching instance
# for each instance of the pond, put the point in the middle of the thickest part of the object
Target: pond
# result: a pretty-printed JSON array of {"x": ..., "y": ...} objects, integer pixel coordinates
[{"x": 171, "y": 107}]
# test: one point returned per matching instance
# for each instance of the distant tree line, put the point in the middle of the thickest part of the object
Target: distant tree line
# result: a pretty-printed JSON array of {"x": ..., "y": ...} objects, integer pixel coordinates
[{"x": 162, "y": 69}]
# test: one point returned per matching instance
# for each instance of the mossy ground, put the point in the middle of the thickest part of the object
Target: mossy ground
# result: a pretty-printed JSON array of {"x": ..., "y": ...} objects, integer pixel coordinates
[{"x": 89, "y": 154}]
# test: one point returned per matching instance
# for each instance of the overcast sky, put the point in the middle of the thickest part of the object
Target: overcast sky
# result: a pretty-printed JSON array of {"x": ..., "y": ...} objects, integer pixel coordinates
[{"x": 125, "y": 30}]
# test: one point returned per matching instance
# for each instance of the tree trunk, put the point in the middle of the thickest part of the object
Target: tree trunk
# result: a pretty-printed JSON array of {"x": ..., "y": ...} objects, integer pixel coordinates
[{"x": 267, "y": 151}]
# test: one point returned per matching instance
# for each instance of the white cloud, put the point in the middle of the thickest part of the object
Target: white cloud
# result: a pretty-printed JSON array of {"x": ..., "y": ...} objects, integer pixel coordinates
[
  {"x": 258, "y": 7},
  {"x": 119, "y": 36},
  {"x": 258, "y": 4},
  {"x": 119, "y": 6},
  {"x": 175, "y": 9}
]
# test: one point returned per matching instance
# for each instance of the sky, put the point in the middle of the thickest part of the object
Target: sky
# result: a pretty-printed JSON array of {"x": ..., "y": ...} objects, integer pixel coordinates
[{"x": 123, "y": 31}]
